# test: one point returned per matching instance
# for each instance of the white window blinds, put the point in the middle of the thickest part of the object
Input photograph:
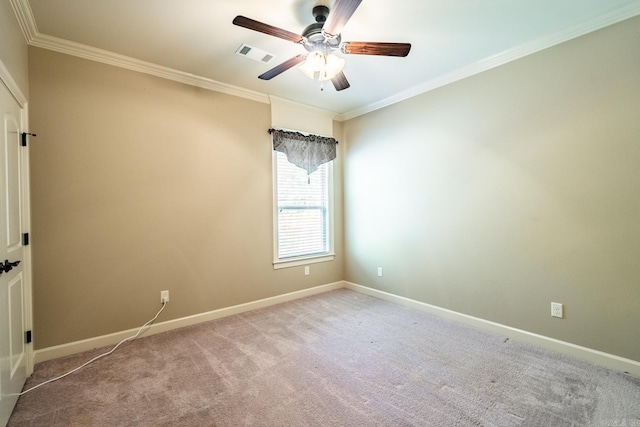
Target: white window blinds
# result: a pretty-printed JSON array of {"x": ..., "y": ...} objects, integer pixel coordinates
[{"x": 302, "y": 209}]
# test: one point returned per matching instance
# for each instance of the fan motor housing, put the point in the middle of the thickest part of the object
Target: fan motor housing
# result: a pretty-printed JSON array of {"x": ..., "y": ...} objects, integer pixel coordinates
[
  {"x": 320, "y": 13},
  {"x": 315, "y": 39}
]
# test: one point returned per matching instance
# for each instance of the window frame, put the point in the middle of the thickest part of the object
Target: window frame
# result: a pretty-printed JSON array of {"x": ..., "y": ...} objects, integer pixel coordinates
[{"x": 279, "y": 263}]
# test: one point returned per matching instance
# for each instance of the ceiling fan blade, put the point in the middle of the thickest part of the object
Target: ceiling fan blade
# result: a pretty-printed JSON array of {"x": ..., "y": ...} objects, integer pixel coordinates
[
  {"x": 340, "y": 81},
  {"x": 339, "y": 15},
  {"x": 243, "y": 21},
  {"x": 376, "y": 48},
  {"x": 279, "y": 69}
]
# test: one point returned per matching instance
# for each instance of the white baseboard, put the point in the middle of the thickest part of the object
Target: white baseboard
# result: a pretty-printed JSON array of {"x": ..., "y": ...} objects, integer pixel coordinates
[
  {"x": 112, "y": 339},
  {"x": 584, "y": 353},
  {"x": 594, "y": 356}
]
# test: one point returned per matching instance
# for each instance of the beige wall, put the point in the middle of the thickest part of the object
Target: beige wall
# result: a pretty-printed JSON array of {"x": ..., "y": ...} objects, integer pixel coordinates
[
  {"x": 140, "y": 184},
  {"x": 503, "y": 192},
  {"x": 13, "y": 47},
  {"x": 492, "y": 196}
]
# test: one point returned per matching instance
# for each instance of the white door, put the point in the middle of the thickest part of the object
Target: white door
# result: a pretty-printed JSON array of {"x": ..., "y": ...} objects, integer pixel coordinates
[{"x": 13, "y": 351}]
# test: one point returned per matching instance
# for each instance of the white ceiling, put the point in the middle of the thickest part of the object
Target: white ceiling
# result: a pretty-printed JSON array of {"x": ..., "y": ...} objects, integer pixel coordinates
[{"x": 196, "y": 39}]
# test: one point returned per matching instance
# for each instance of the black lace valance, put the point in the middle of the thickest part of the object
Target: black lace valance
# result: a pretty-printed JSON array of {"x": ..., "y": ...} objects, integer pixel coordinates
[{"x": 305, "y": 151}]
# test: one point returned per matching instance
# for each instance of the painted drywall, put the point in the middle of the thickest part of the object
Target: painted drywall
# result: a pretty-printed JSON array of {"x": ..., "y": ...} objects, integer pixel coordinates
[
  {"x": 13, "y": 47},
  {"x": 140, "y": 184},
  {"x": 503, "y": 192}
]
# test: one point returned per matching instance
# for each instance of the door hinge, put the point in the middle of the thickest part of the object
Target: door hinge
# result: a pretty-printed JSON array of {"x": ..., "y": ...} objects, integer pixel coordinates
[
  {"x": 24, "y": 138},
  {"x": 27, "y": 337},
  {"x": 25, "y": 239}
]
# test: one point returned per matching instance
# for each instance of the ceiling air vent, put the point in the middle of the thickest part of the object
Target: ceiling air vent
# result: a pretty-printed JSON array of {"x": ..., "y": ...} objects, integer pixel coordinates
[{"x": 255, "y": 53}]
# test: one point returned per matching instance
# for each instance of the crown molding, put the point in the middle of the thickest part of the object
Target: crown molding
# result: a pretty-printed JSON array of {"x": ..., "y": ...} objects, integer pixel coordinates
[
  {"x": 127, "y": 62},
  {"x": 311, "y": 109},
  {"x": 525, "y": 49},
  {"x": 33, "y": 37},
  {"x": 24, "y": 15},
  {"x": 29, "y": 28}
]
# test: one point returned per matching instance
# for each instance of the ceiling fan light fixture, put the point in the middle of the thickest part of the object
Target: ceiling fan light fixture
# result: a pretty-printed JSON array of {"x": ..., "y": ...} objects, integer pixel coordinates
[
  {"x": 314, "y": 64},
  {"x": 333, "y": 66},
  {"x": 308, "y": 71},
  {"x": 322, "y": 67},
  {"x": 321, "y": 39}
]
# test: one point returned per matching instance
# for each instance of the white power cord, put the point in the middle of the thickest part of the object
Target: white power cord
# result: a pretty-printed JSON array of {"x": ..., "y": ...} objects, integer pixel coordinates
[{"x": 133, "y": 337}]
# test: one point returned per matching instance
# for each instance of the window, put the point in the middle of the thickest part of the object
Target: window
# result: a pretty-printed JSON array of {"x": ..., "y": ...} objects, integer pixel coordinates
[{"x": 303, "y": 218}]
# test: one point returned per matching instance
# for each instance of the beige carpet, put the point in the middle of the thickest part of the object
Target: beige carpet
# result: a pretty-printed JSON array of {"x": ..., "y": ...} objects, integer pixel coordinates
[{"x": 336, "y": 359}]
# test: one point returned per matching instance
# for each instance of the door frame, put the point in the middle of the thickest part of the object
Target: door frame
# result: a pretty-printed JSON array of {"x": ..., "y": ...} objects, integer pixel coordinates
[{"x": 7, "y": 80}]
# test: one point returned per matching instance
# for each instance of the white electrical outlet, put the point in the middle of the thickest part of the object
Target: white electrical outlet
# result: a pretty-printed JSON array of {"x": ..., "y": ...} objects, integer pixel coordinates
[
  {"x": 164, "y": 297},
  {"x": 306, "y": 270},
  {"x": 379, "y": 271},
  {"x": 557, "y": 310}
]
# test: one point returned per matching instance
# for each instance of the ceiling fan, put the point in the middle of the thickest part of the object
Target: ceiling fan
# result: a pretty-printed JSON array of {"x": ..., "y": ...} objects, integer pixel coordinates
[{"x": 321, "y": 39}]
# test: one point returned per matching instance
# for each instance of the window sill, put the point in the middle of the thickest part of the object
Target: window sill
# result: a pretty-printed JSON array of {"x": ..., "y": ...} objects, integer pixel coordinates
[{"x": 295, "y": 262}]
